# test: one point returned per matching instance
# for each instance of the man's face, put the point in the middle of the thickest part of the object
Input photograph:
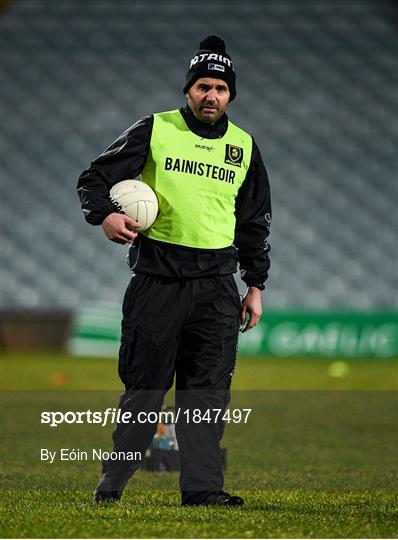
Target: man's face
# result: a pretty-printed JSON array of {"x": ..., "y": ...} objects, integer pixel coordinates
[{"x": 208, "y": 99}]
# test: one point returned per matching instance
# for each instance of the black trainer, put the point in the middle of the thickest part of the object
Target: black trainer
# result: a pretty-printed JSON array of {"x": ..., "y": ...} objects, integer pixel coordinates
[
  {"x": 109, "y": 489},
  {"x": 218, "y": 498}
]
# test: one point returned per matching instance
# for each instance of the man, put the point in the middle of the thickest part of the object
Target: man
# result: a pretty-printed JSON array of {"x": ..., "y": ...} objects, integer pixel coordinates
[{"x": 182, "y": 310}]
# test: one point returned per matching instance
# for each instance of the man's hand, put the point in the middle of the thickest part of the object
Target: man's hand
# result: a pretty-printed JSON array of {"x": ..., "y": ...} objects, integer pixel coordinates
[
  {"x": 119, "y": 228},
  {"x": 252, "y": 305}
]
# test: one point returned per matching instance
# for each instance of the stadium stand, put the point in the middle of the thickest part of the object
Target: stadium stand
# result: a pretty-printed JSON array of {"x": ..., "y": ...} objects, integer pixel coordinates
[{"x": 317, "y": 87}]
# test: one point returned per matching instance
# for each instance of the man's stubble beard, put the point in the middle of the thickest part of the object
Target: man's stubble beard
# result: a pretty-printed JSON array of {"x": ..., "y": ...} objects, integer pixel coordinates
[{"x": 209, "y": 119}]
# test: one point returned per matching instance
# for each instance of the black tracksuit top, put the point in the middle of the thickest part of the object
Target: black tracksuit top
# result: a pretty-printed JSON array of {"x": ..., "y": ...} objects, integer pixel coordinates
[{"x": 126, "y": 158}]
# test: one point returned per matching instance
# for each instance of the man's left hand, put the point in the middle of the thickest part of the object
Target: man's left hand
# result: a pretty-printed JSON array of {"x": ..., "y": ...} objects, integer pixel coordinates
[{"x": 251, "y": 305}]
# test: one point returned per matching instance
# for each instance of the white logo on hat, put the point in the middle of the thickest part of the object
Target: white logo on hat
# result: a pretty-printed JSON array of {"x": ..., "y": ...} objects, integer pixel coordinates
[
  {"x": 217, "y": 67},
  {"x": 211, "y": 56}
]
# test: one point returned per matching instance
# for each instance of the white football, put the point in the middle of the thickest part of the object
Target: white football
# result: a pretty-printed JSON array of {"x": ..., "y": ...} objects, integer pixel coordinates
[{"x": 137, "y": 200}]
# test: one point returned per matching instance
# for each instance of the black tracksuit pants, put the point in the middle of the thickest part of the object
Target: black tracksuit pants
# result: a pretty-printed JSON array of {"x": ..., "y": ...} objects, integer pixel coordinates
[{"x": 188, "y": 328}]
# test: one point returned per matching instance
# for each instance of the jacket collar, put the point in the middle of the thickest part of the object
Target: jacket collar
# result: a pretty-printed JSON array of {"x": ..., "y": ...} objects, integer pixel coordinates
[{"x": 204, "y": 130}]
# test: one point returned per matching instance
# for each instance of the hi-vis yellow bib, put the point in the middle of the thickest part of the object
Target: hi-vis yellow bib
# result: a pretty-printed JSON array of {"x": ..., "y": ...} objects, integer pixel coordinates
[{"x": 196, "y": 181}]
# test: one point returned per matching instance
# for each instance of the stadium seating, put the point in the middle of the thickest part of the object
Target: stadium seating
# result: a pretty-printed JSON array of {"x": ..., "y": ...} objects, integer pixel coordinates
[{"x": 316, "y": 86}]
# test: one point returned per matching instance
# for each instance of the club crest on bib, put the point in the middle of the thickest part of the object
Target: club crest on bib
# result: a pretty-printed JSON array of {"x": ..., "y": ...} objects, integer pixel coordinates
[{"x": 233, "y": 155}]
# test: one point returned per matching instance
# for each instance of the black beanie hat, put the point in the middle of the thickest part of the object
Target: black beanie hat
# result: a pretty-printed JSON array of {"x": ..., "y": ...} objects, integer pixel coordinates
[{"x": 211, "y": 60}]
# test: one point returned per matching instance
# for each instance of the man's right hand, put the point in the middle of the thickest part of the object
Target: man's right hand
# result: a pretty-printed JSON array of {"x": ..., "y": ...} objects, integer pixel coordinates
[{"x": 118, "y": 228}]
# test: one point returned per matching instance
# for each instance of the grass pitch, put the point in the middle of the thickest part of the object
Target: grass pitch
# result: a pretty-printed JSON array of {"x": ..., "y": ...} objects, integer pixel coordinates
[{"x": 317, "y": 458}]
